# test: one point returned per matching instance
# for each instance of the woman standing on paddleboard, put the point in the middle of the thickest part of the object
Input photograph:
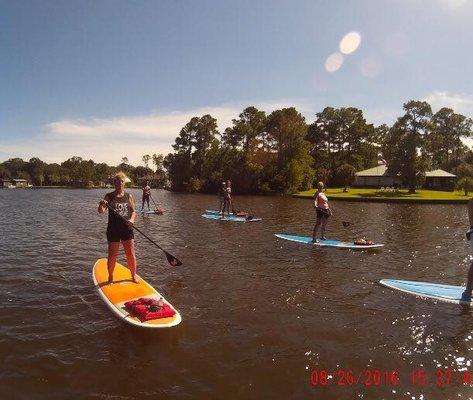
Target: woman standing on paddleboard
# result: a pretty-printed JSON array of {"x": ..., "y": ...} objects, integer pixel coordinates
[
  {"x": 121, "y": 216},
  {"x": 146, "y": 195},
  {"x": 227, "y": 199},
  {"x": 323, "y": 212}
]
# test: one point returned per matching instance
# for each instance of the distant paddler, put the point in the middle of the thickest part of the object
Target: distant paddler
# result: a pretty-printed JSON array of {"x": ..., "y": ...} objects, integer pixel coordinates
[
  {"x": 146, "y": 195},
  {"x": 323, "y": 212},
  {"x": 221, "y": 197},
  {"x": 466, "y": 296},
  {"x": 121, "y": 217},
  {"x": 227, "y": 199}
]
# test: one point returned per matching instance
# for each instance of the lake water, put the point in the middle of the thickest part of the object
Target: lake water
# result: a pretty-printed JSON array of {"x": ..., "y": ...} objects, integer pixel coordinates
[{"x": 259, "y": 314}]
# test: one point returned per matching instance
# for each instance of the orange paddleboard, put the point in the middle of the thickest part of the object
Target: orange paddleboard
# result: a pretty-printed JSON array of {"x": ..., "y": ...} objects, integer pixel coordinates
[{"x": 123, "y": 289}]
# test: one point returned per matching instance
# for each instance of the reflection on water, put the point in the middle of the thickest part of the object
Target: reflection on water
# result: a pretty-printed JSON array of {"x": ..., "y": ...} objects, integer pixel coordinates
[{"x": 259, "y": 314}]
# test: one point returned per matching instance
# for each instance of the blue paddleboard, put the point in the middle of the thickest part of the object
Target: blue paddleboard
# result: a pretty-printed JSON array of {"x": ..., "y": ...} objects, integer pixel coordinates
[
  {"x": 142, "y": 211},
  {"x": 215, "y": 212},
  {"x": 446, "y": 293},
  {"x": 326, "y": 243},
  {"x": 217, "y": 217}
]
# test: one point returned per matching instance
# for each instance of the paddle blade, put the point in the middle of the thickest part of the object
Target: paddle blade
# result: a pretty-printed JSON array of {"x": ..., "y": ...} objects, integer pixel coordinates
[
  {"x": 172, "y": 260},
  {"x": 345, "y": 223}
]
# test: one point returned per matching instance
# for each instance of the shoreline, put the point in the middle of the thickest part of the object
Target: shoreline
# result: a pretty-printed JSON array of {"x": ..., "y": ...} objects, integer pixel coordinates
[
  {"x": 337, "y": 194},
  {"x": 374, "y": 196}
]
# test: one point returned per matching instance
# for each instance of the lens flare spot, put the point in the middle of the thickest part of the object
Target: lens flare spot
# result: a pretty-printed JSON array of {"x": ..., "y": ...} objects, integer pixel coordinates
[
  {"x": 350, "y": 42},
  {"x": 452, "y": 4},
  {"x": 334, "y": 62},
  {"x": 396, "y": 45},
  {"x": 370, "y": 67}
]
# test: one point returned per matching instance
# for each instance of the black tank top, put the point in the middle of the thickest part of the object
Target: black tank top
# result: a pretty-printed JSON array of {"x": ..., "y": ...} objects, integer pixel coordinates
[{"x": 122, "y": 206}]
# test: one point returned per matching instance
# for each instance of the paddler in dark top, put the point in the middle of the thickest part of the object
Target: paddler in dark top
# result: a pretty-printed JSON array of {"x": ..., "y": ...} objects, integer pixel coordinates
[
  {"x": 227, "y": 198},
  {"x": 466, "y": 296},
  {"x": 146, "y": 195},
  {"x": 119, "y": 228},
  {"x": 221, "y": 197}
]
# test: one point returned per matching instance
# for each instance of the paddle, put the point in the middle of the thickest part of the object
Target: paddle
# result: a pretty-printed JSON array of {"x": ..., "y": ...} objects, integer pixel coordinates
[
  {"x": 171, "y": 259},
  {"x": 344, "y": 223},
  {"x": 151, "y": 197}
]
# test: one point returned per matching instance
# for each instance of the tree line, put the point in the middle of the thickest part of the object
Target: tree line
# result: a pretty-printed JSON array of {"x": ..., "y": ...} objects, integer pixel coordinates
[
  {"x": 77, "y": 172},
  {"x": 281, "y": 152}
]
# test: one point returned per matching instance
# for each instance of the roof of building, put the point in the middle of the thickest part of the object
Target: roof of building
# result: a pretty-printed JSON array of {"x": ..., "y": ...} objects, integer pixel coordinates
[
  {"x": 439, "y": 173},
  {"x": 381, "y": 170},
  {"x": 19, "y": 180}
]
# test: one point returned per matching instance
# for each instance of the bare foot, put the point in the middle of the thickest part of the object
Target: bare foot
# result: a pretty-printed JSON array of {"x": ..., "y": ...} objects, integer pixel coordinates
[
  {"x": 134, "y": 280},
  {"x": 110, "y": 281}
]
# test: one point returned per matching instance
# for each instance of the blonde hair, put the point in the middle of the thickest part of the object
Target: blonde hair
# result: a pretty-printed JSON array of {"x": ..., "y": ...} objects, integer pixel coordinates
[
  {"x": 320, "y": 186},
  {"x": 120, "y": 175}
]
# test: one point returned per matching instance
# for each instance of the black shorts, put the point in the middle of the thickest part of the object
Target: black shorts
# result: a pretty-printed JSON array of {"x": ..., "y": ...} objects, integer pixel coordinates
[
  {"x": 322, "y": 213},
  {"x": 117, "y": 234}
]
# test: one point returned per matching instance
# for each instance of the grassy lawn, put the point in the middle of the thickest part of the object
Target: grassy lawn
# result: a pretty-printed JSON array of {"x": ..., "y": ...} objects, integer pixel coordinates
[{"x": 420, "y": 196}]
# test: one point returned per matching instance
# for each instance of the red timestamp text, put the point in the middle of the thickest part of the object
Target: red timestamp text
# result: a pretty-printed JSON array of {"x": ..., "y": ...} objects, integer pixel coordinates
[{"x": 348, "y": 377}]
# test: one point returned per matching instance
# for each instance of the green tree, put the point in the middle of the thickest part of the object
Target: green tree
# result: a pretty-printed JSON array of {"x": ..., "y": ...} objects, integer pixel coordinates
[
  {"x": 24, "y": 175},
  {"x": 158, "y": 160},
  {"x": 4, "y": 172},
  {"x": 247, "y": 131},
  {"x": 179, "y": 168},
  {"x": 78, "y": 172},
  {"x": 143, "y": 173},
  {"x": 342, "y": 136},
  {"x": 54, "y": 174},
  {"x": 36, "y": 169},
  {"x": 465, "y": 177},
  {"x": 15, "y": 166},
  {"x": 102, "y": 173},
  {"x": 71, "y": 167},
  {"x": 146, "y": 158},
  {"x": 444, "y": 139},
  {"x": 86, "y": 173},
  {"x": 192, "y": 145},
  {"x": 404, "y": 147},
  {"x": 346, "y": 172},
  {"x": 244, "y": 143},
  {"x": 160, "y": 173},
  {"x": 287, "y": 129}
]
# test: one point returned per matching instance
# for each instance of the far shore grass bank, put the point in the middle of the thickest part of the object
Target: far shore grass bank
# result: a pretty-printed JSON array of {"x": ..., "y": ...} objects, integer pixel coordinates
[{"x": 402, "y": 196}]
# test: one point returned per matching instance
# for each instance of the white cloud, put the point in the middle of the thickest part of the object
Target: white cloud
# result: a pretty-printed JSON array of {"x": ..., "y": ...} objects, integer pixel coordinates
[
  {"x": 110, "y": 139},
  {"x": 460, "y": 103},
  {"x": 380, "y": 115},
  {"x": 452, "y": 4}
]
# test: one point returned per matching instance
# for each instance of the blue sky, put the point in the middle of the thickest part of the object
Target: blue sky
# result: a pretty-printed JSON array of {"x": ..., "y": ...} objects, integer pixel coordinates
[{"x": 107, "y": 79}]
